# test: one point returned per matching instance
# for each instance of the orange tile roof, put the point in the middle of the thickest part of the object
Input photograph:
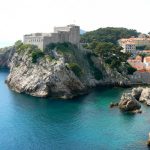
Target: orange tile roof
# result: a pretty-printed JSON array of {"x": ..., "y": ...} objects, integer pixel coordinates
[
  {"x": 132, "y": 40},
  {"x": 146, "y": 51}
]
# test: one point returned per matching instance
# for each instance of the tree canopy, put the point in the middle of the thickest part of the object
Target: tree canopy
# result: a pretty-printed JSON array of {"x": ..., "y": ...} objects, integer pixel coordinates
[{"x": 109, "y": 34}]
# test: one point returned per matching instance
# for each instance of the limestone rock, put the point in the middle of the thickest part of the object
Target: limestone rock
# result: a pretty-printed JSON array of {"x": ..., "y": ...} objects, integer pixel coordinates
[
  {"x": 6, "y": 55},
  {"x": 53, "y": 78},
  {"x": 145, "y": 96},
  {"x": 113, "y": 105},
  {"x": 44, "y": 78},
  {"x": 148, "y": 141},
  {"x": 136, "y": 92},
  {"x": 128, "y": 103},
  {"x": 138, "y": 111}
]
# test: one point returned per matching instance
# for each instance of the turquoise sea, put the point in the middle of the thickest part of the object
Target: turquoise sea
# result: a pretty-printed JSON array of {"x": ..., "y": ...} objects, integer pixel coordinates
[{"x": 85, "y": 123}]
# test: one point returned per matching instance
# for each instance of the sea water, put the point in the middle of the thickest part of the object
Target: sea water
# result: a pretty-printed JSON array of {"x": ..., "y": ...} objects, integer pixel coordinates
[{"x": 85, "y": 123}]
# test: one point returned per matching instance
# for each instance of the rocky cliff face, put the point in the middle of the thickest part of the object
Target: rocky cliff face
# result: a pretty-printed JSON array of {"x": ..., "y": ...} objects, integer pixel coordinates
[
  {"x": 43, "y": 78},
  {"x": 54, "y": 78},
  {"x": 111, "y": 76},
  {"x": 6, "y": 56}
]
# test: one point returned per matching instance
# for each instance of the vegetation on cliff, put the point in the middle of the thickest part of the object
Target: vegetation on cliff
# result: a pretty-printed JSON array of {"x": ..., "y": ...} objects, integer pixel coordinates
[
  {"x": 104, "y": 43},
  {"x": 94, "y": 69},
  {"x": 112, "y": 56},
  {"x": 32, "y": 51},
  {"x": 62, "y": 48},
  {"x": 76, "y": 69},
  {"x": 52, "y": 51}
]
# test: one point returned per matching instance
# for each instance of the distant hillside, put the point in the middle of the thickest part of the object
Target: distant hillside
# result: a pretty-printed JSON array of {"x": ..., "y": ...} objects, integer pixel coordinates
[
  {"x": 82, "y": 31},
  {"x": 108, "y": 34}
]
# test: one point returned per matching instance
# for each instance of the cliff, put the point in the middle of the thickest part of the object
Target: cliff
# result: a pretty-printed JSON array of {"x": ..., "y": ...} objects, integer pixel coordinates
[
  {"x": 59, "y": 73},
  {"x": 6, "y": 55}
]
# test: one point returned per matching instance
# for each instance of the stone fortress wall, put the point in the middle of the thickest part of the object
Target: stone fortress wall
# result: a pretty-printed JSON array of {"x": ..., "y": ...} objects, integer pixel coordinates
[{"x": 69, "y": 33}]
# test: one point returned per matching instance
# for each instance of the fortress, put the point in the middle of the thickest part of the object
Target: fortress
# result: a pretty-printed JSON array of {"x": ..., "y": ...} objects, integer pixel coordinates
[{"x": 69, "y": 33}]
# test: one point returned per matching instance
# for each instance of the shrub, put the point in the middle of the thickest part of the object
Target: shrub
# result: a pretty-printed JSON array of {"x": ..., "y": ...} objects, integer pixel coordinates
[
  {"x": 18, "y": 44},
  {"x": 76, "y": 69},
  {"x": 35, "y": 55},
  {"x": 130, "y": 69},
  {"x": 96, "y": 72},
  {"x": 63, "y": 48},
  {"x": 49, "y": 57}
]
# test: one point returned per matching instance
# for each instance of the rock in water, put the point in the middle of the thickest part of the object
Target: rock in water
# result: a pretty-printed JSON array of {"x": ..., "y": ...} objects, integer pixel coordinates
[
  {"x": 113, "y": 105},
  {"x": 145, "y": 96},
  {"x": 128, "y": 103},
  {"x": 148, "y": 141},
  {"x": 136, "y": 92}
]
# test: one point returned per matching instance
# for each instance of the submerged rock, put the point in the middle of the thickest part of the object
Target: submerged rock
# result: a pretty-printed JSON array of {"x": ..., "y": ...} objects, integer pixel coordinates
[
  {"x": 113, "y": 105},
  {"x": 128, "y": 103},
  {"x": 138, "y": 111}
]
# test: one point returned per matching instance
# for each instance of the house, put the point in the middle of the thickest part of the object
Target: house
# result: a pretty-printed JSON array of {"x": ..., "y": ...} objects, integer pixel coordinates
[
  {"x": 147, "y": 62},
  {"x": 136, "y": 63},
  {"x": 133, "y": 44},
  {"x": 129, "y": 47}
]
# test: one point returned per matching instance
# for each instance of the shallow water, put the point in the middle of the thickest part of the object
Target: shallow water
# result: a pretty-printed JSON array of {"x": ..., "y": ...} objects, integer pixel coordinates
[{"x": 85, "y": 123}]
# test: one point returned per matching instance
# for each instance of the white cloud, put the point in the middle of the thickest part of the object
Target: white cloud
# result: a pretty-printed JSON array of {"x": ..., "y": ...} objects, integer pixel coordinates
[{"x": 19, "y": 17}]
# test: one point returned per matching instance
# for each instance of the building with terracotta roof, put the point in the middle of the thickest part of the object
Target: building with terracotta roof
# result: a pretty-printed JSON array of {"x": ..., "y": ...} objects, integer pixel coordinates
[
  {"x": 131, "y": 44},
  {"x": 136, "y": 63},
  {"x": 145, "y": 51}
]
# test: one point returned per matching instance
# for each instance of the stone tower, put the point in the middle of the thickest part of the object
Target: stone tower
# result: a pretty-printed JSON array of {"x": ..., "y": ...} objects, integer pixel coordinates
[
  {"x": 69, "y": 33},
  {"x": 74, "y": 34}
]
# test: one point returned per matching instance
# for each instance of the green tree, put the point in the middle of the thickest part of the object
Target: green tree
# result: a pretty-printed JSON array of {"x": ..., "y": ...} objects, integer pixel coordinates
[
  {"x": 108, "y": 34},
  {"x": 18, "y": 44},
  {"x": 76, "y": 69}
]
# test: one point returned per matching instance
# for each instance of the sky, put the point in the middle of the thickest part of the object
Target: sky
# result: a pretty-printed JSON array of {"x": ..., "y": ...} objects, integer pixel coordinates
[{"x": 19, "y": 17}]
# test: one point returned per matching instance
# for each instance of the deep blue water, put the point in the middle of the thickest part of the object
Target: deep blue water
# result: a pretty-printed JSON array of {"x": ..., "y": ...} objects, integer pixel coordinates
[{"x": 85, "y": 123}]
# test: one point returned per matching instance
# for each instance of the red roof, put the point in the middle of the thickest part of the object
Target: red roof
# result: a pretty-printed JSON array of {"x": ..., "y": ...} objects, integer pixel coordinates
[{"x": 146, "y": 51}]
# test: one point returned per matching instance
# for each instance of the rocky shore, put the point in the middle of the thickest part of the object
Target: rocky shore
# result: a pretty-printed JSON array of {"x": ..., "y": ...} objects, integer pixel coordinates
[
  {"x": 142, "y": 94},
  {"x": 53, "y": 77},
  {"x": 130, "y": 102}
]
